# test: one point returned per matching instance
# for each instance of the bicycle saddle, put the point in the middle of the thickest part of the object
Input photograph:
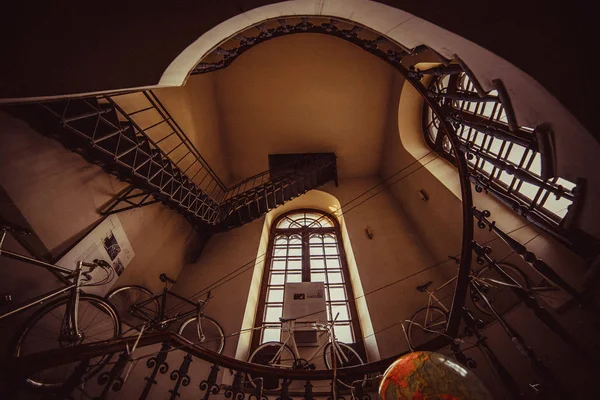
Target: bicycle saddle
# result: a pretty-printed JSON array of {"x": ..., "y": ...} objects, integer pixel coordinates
[
  {"x": 424, "y": 287},
  {"x": 164, "y": 278}
]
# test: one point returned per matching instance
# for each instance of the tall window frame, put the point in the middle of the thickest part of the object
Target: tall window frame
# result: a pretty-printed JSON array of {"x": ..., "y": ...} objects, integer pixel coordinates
[
  {"x": 508, "y": 161},
  {"x": 307, "y": 259}
]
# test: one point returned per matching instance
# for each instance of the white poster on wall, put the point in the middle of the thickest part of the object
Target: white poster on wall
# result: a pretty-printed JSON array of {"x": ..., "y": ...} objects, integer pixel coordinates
[
  {"x": 106, "y": 242},
  {"x": 305, "y": 300}
]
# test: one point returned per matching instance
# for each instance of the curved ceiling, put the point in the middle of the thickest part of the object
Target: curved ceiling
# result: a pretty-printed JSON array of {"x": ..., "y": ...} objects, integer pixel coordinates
[{"x": 305, "y": 93}]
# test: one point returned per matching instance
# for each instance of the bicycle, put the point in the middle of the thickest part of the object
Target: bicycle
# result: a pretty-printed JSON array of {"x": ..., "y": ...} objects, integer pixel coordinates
[
  {"x": 138, "y": 306},
  {"x": 71, "y": 319},
  {"x": 431, "y": 320},
  {"x": 286, "y": 356}
]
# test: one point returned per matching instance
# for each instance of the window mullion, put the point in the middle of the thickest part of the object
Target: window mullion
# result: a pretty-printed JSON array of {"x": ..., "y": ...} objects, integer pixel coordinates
[{"x": 305, "y": 256}]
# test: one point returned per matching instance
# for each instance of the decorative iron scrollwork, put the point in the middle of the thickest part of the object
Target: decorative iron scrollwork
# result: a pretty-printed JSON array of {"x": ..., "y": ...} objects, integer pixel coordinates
[
  {"x": 180, "y": 376},
  {"x": 257, "y": 393},
  {"x": 285, "y": 388},
  {"x": 235, "y": 392},
  {"x": 112, "y": 380},
  {"x": 358, "y": 391},
  {"x": 159, "y": 365},
  {"x": 209, "y": 386}
]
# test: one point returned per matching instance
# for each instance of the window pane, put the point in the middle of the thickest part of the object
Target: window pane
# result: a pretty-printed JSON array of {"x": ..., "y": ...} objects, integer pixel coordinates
[
  {"x": 565, "y": 183},
  {"x": 281, "y": 241},
  {"x": 516, "y": 153},
  {"x": 496, "y": 146},
  {"x": 278, "y": 264},
  {"x": 273, "y": 313},
  {"x": 506, "y": 178},
  {"x": 331, "y": 250},
  {"x": 528, "y": 190},
  {"x": 275, "y": 296},
  {"x": 317, "y": 277},
  {"x": 335, "y": 277},
  {"x": 337, "y": 293},
  {"x": 343, "y": 333},
  {"x": 294, "y": 278},
  {"x": 329, "y": 239},
  {"x": 276, "y": 279},
  {"x": 536, "y": 165},
  {"x": 558, "y": 207},
  {"x": 295, "y": 240},
  {"x": 317, "y": 263},
  {"x": 316, "y": 251},
  {"x": 316, "y": 239},
  {"x": 294, "y": 264},
  {"x": 333, "y": 262},
  {"x": 295, "y": 251},
  {"x": 342, "y": 309},
  {"x": 271, "y": 335}
]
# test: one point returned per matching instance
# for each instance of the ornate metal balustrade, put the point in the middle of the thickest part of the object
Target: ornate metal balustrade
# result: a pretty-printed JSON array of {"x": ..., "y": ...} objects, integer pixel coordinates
[{"x": 514, "y": 164}]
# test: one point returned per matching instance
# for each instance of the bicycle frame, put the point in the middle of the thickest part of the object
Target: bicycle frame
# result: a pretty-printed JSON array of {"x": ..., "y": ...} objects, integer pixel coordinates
[
  {"x": 161, "y": 318},
  {"x": 74, "y": 287},
  {"x": 290, "y": 330}
]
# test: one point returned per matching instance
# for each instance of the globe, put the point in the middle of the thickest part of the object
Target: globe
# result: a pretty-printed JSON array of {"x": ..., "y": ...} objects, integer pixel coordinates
[{"x": 423, "y": 375}]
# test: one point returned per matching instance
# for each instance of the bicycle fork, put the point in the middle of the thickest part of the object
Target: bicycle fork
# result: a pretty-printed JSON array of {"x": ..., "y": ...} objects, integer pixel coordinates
[{"x": 72, "y": 312}]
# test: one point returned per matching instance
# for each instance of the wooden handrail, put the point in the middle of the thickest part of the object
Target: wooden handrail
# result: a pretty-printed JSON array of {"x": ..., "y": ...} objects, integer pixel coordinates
[{"x": 18, "y": 367}]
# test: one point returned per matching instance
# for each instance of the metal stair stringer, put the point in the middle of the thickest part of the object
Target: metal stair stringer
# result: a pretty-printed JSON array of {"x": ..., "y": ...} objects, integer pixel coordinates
[{"x": 311, "y": 172}]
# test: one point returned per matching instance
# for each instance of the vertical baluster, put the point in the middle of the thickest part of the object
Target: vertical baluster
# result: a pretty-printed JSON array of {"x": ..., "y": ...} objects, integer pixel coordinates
[
  {"x": 234, "y": 392},
  {"x": 530, "y": 302},
  {"x": 209, "y": 386},
  {"x": 473, "y": 329},
  {"x": 180, "y": 376},
  {"x": 308, "y": 391},
  {"x": 112, "y": 379},
  {"x": 516, "y": 338},
  {"x": 285, "y": 388},
  {"x": 257, "y": 393},
  {"x": 158, "y": 363},
  {"x": 335, "y": 392},
  {"x": 358, "y": 391},
  {"x": 540, "y": 266}
]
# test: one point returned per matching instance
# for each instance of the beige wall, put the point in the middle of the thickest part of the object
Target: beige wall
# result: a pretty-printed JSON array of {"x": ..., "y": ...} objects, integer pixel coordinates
[{"x": 59, "y": 193}]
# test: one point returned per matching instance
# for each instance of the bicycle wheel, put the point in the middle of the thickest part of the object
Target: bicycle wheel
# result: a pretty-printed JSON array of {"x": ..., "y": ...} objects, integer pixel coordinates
[
  {"x": 426, "y": 324},
  {"x": 135, "y": 305},
  {"x": 348, "y": 358},
  {"x": 205, "y": 332},
  {"x": 503, "y": 298},
  {"x": 46, "y": 330},
  {"x": 269, "y": 354}
]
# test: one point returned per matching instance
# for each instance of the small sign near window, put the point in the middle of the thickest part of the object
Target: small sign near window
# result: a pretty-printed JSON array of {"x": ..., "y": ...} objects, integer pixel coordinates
[{"x": 305, "y": 301}]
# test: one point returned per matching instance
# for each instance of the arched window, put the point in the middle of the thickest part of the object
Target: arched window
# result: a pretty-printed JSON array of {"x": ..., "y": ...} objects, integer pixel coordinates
[
  {"x": 306, "y": 246},
  {"x": 507, "y": 161}
]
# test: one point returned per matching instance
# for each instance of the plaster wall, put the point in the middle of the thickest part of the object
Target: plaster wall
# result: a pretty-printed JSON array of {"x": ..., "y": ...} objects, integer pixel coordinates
[{"x": 59, "y": 194}]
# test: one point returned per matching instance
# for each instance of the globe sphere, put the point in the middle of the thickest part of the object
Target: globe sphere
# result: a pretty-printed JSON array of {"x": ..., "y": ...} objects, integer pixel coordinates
[{"x": 424, "y": 375}]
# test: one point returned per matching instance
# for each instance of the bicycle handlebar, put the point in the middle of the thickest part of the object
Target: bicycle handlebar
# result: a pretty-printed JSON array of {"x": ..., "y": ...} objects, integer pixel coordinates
[{"x": 5, "y": 226}]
